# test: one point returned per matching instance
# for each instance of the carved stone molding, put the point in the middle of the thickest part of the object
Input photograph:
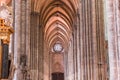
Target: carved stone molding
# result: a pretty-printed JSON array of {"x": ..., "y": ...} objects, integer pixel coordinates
[{"x": 5, "y": 32}]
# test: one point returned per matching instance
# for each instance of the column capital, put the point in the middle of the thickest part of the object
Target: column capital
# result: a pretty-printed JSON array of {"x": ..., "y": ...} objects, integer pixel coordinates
[{"x": 5, "y": 32}]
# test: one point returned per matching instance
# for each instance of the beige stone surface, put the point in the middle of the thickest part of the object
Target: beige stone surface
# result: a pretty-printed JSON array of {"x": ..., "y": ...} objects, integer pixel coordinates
[{"x": 81, "y": 32}]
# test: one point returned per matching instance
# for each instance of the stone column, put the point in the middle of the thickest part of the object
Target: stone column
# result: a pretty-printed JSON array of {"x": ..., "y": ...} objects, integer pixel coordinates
[
  {"x": 90, "y": 42},
  {"x": 70, "y": 63},
  {"x": 112, "y": 9},
  {"x": 100, "y": 38},
  {"x": 65, "y": 66},
  {"x": 46, "y": 62},
  {"x": 75, "y": 51},
  {"x": 87, "y": 39},
  {"x": 35, "y": 37},
  {"x": 17, "y": 26},
  {"x": 21, "y": 24},
  {"x": 28, "y": 12},
  {"x": 41, "y": 53}
]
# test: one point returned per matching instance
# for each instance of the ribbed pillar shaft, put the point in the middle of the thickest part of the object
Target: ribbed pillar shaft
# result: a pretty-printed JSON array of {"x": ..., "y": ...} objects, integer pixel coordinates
[
  {"x": 75, "y": 53},
  {"x": 66, "y": 66},
  {"x": 28, "y": 11},
  {"x": 100, "y": 35},
  {"x": 88, "y": 43},
  {"x": 92, "y": 56},
  {"x": 35, "y": 47},
  {"x": 70, "y": 63},
  {"x": 21, "y": 36},
  {"x": 72, "y": 57},
  {"x": 46, "y": 62},
  {"x": 112, "y": 9},
  {"x": 78, "y": 46},
  {"x": 87, "y": 50},
  {"x": 17, "y": 26},
  {"x": 40, "y": 55}
]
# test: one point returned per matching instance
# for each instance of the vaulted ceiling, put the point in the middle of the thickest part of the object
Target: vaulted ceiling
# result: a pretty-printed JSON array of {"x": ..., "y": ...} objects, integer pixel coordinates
[{"x": 57, "y": 17}]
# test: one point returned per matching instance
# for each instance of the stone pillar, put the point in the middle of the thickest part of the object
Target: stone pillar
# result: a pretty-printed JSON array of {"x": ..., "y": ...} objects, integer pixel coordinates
[
  {"x": 112, "y": 10},
  {"x": 35, "y": 37},
  {"x": 17, "y": 26},
  {"x": 87, "y": 39},
  {"x": 70, "y": 63},
  {"x": 75, "y": 51},
  {"x": 100, "y": 38},
  {"x": 21, "y": 24},
  {"x": 41, "y": 53},
  {"x": 87, "y": 51},
  {"x": 46, "y": 62},
  {"x": 90, "y": 56},
  {"x": 65, "y": 65},
  {"x": 28, "y": 12}
]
